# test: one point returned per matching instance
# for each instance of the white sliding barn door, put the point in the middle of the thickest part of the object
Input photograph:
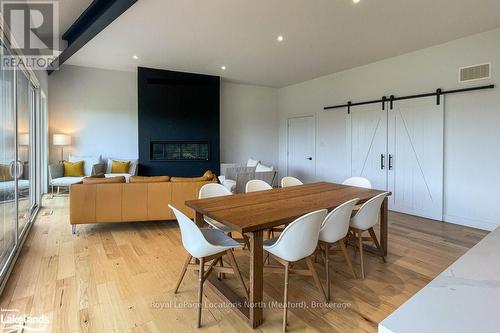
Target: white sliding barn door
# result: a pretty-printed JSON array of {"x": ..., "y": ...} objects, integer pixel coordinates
[
  {"x": 415, "y": 148},
  {"x": 368, "y": 141},
  {"x": 301, "y": 148}
]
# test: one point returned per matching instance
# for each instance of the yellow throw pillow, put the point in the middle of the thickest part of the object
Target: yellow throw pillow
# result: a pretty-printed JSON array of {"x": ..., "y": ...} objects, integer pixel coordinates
[
  {"x": 5, "y": 173},
  {"x": 120, "y": 166},
  {"x": 73, "y": 169}
]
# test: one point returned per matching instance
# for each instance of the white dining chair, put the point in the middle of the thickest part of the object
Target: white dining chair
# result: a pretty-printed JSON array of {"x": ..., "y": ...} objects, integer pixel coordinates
[
  {"x": 207, "y": 246},
  {"x": 213, "y": 190},
  {"x": 333, "y": 231},
  {"x": 365, "y": 218},
  {"x": 290, "y": 181},
  {"x": 256, "y": 185},
  {"x": 210, "y": 191},
  {"x": 298, "y": 241},
  {"x": 358, "y": 181}
]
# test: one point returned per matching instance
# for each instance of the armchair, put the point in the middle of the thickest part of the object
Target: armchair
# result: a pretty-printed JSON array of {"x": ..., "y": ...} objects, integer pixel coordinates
[{"x": 57, "y": 179}]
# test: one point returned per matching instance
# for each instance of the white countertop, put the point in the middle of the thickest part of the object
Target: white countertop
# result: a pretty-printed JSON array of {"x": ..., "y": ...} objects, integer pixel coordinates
[{"x": 463, "y": 298}]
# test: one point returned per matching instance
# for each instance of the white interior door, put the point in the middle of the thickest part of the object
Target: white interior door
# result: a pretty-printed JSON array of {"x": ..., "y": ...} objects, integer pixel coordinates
[
  {"x": 416, "y": 154},
  {"x": 301, "y": 143},
  {"x": 368, "y": 140}
]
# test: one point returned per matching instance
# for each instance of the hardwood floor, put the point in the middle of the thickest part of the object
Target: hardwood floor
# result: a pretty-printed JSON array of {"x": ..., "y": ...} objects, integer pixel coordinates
[{"x": 120, "y": 277}]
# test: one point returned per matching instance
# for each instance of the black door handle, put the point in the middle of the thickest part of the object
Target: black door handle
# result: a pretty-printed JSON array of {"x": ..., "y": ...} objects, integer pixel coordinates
[
  {"x": 390, "y": 162},
  {"x": 309, "y": 158},
  {"x": 382, "y": 161}
]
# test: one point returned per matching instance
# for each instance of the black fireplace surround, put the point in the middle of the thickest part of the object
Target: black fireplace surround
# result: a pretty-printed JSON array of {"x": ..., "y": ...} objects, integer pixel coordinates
[{"x": 179, "y": 123}]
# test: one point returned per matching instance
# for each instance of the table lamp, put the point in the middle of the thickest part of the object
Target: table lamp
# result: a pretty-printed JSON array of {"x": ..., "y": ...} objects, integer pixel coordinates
[{"x": 61, "y": 140}]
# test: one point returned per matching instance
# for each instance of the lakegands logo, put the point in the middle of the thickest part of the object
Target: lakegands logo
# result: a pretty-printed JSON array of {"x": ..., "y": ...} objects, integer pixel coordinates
[{"x": 13, "y": 320}]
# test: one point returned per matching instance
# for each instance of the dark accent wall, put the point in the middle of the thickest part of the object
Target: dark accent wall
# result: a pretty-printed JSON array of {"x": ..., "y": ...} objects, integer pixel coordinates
[{"x": 177, "y": 106}]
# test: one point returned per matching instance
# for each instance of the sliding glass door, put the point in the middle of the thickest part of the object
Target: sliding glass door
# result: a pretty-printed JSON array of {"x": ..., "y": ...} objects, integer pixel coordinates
[
  {"x": 8, "y": 192},
  {"x": 18, "y": 171}
]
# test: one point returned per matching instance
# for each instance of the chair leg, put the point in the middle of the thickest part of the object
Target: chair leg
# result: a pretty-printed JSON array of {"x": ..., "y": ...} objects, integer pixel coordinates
[
  {"x": 315, "y": 277},
  {"x": 201, "y": 274},
  {"x": 183, "y": 272},
  {"x": 247, "y": 242},
  {"x": 361, "y": 258},
  {"x": 285, "y": 297},
  {"x": 346, "y": 256},
  {"x": 236, "y": 271},
  {"x": 327, "y": 269},
  {"x": 221, "y": 275},
  {"x": 375, "y": 240}
]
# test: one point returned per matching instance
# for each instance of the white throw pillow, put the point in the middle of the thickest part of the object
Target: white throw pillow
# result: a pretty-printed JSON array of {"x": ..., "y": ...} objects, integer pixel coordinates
[
  {"x": 131, "y": 169},
  {"x": 88, "y": 162},
  {"x": 252, "y": 163},
  {"x": 263, "y": 168}
]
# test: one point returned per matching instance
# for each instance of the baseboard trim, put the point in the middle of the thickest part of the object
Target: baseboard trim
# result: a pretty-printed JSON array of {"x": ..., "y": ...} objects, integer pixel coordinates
[{"x": 472, "y": 222}]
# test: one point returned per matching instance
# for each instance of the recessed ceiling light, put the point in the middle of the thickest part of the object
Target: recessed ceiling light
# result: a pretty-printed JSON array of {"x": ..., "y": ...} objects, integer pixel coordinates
[
  {"x": 135, "y": 57},
  {"x": 356, "y": 1},
  {"x": 280, "y": 38},
  {"x": 223, "y": 68}
]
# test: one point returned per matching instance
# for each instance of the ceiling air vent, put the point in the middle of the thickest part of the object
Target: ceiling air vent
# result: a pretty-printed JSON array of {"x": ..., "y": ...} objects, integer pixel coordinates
[{"x": 476, "y": 72}]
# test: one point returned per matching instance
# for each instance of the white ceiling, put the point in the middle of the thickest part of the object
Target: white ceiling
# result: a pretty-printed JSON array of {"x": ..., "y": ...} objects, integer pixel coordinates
[
  {"x": 69, "y": 11},
  {"x": 321, "y": 36}
]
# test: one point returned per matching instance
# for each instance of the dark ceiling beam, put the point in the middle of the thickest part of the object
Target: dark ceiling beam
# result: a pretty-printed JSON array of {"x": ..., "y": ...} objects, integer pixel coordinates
[{"x": 91, "y": 22}]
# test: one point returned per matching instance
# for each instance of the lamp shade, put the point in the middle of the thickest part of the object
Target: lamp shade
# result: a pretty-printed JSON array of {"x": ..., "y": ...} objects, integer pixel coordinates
[
  {"x": 61, "y": 140},
  {"x": 24, "y": 139}
]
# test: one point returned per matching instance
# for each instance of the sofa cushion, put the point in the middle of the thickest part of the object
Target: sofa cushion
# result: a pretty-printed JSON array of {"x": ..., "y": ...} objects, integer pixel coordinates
[
  {"x": 155, "y": 179},
  {"x": 120, "y": 166},
  {"x": 88, "y": 162},
  {"x": 207, "y": 176},
  {"x": 107, "y": 180},
  {"x": 65, "y": 181},
  {"x": 188, "y": 179},
  {"x": 73, "y": 169},
  {"x": 126, "y": 175}
]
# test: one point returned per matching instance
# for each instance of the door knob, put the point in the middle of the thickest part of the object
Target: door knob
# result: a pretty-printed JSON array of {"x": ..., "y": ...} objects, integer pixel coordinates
[
  {"x": 309, "y": 158},
  {"x": 19, "y": 169},
  {"x": 12, "y": 169}
]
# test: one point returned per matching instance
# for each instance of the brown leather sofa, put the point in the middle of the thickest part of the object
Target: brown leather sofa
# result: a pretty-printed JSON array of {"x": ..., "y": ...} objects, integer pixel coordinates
[{"x": 104, "y": 200}]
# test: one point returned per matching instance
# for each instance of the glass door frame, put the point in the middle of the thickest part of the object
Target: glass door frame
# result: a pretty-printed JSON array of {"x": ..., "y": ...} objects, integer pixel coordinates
[
  {"x": 34, "y": 166},
  {"x": 4, "y": 270}
]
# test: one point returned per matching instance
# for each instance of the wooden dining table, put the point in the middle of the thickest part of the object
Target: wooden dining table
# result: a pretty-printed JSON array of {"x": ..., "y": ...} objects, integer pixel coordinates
[{"x": 253, "y": 213}]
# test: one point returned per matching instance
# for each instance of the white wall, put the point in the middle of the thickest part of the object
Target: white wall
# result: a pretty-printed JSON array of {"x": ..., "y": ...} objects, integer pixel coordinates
[
  {"x": 98, "y": 108},
  {"x": 249, "y": 123},
  {"x": 472, "y": 138}
]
